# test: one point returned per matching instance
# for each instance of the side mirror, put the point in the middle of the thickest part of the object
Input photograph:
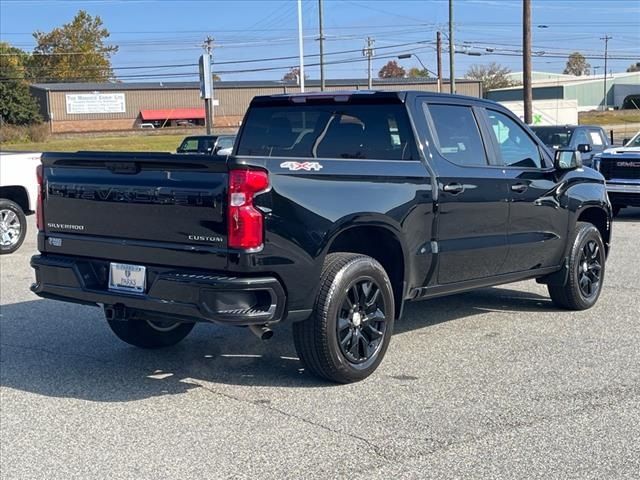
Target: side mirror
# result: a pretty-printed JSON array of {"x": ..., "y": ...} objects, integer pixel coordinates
[
  {"x": 584, "y": 148},
  {"x": 567, "y": 159},
  {"x": 625, "y": 141}
]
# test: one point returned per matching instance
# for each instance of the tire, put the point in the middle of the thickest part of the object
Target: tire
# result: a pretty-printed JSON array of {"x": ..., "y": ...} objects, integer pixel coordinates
[
  {"x": 616, "y": 209},
  {"x": 586, "y": 270},
  {"x": 13, "y": 226},
  {"x": 348, "y": 333},
  {"x": 149, "y": 334}
]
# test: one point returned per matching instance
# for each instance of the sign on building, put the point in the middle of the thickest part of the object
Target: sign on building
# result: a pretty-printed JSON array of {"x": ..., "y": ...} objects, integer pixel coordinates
[{"x": 79, "y": 103}]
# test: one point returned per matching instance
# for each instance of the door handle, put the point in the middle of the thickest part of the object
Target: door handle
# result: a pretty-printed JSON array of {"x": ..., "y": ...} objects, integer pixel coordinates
[
  {"x": 454, "y": 188},
  {"x": 519, "y": 188}
]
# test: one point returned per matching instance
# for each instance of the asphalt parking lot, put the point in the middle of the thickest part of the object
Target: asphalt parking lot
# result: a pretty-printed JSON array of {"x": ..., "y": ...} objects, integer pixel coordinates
[{"x": 490, "y": 384}]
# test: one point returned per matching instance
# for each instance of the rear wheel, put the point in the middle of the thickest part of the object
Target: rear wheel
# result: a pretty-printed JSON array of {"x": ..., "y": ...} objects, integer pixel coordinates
[
  {"x": 150, "y": 333},
  {"x": 585, "y": 270},
  {"x": 13, "y": 226},
  {"x": 349, "y": 331}
]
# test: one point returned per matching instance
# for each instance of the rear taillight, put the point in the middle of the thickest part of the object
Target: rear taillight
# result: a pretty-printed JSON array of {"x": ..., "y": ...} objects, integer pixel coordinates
[
  {"x": 39, "y": 205},
  {"x": 245, "y": 221}
]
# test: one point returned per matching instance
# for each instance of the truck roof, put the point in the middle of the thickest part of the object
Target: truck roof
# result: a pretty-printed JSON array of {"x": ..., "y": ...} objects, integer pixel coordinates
[{"x": 349, "y": 95}]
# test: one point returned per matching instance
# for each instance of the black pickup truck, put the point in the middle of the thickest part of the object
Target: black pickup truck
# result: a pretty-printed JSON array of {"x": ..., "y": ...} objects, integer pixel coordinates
[{"x": 333, "y": 211}]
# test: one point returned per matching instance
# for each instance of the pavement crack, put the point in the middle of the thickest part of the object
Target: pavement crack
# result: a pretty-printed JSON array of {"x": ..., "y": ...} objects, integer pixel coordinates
[{"x": 376, "y": 448}]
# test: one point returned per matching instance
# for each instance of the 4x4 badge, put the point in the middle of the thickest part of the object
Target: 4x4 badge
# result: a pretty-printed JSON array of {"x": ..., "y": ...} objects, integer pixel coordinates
[{"x": 308, "y": 166}]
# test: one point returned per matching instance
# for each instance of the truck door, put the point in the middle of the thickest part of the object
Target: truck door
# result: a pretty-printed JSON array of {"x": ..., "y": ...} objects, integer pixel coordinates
[
  {"x": 472, "y": 198},
  {"x": 537, "y": 222}
]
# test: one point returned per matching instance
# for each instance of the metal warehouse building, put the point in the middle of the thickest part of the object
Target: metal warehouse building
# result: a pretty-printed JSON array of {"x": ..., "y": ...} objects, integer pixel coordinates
[
  {"x": 623, "y": 90},
  {"x": 94, "y": 107}
]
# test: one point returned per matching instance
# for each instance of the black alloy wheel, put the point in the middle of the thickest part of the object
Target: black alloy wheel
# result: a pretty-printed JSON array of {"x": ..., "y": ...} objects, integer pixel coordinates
[
  {"x": 361, "y": 322},
  {"x": 589, "y": 269}
]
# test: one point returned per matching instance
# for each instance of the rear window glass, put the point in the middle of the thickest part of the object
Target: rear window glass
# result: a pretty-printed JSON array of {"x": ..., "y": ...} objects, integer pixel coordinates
[{"x": 378, "y": 132}]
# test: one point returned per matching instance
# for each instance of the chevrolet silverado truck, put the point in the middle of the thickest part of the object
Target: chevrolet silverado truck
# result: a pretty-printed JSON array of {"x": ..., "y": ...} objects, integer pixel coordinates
[
  {"x": 620, "y": 167},
  {"x": 334, "y": 210}
]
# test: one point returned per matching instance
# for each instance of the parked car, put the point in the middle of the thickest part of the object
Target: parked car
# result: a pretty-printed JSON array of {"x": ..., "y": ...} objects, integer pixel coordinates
[
  {"x": 18, "y": 193},
  {"x": 620, "y": 166},
  {"x": 570, "y": 136},
  {"x": 147, "y": 126},
  {"x": 206, "y": 144},
  {"x": 334, "y": 211}
]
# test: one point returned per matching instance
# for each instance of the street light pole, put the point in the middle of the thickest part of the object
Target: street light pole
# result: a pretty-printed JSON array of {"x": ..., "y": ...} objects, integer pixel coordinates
[
  {"x": 526, "y": 61},
  {"x": 452, "y": 74},
  {"x": 300, "y": 46},
  {"x": 321, "y": 46},
  {"x": 606, "y": 39}
]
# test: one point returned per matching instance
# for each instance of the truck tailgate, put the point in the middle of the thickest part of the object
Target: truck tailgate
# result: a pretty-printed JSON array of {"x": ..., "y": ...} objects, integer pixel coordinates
[{"x": 96, "y": 204}]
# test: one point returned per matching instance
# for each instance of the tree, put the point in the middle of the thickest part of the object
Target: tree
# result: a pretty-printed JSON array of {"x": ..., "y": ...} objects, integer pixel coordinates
[
  {"x": 418, "y": 73},
  {"x": 293, "y": 74},
  {"x": 577, "y": 65},
  {"x": 17, "y": 106},
  {"x": 492, "y": 76},
  {"x": 634, "y": 67},
  {"x": 74, "y": 52},
  {"x": 392, "y": 70}
]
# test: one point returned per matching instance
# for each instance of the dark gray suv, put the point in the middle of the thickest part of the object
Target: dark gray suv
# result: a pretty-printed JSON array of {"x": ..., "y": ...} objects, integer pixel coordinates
[{"x": 570, "y": 136}]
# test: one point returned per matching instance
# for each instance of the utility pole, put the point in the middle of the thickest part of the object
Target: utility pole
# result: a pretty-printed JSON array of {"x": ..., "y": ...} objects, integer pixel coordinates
[
  {"x": 321, "y": 46},
  {"x": 439, "y": 55},
  {"x": 369, "y": 52},
  {"x": 301, "y": 46},
  {"x": 606, "y": 39},
  {"x": 526, "y": 62},
  {"x": 452, "y": 51},
  {"x": 206, "y": 84}
]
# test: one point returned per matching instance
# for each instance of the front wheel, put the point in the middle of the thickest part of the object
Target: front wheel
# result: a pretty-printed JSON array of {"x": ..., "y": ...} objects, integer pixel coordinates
[
  {"x": 585, "y": 270},
  {"x": 150, "y": 333},
  {"x": 349, "y": 331},
  {"x": 13, "y": 226}
]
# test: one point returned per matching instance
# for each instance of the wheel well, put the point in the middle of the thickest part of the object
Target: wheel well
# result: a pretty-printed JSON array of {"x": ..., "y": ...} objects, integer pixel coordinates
[
  {"x": 381, "y": 244},
  {"x": 598, "y": 218},
  {"x": 18, "y": 195}
]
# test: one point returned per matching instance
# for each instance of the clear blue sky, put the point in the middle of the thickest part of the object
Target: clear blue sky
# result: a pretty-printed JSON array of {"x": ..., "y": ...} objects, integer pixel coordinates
[{"x": 151, "y": 33}]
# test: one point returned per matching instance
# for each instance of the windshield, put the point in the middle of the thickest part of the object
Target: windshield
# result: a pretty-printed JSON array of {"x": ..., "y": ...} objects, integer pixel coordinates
[
  {"x": 379, "y": 131},
  {"x": 634, "y": 142},
  {"x": 555, "y": 137}
]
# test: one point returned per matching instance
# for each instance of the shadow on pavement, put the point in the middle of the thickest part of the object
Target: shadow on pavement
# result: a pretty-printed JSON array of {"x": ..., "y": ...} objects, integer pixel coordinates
[{"x": 62, "y": 350}]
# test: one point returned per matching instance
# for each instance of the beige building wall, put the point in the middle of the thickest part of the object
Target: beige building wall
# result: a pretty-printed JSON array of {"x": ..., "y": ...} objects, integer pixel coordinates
[{"x": 233, "y": 102}]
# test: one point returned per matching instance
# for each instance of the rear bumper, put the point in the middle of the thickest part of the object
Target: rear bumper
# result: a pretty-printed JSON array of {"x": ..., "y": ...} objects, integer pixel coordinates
[{"x": 190, "y": 295}]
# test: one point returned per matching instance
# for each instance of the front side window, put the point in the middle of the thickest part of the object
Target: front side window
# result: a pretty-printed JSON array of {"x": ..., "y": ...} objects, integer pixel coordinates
[
  {"x": 376, "y": 132},
  {"x": 516, "y": 147},
  {"x": 581, "y": 138},
  {"x": 225, "y": 142},
  {"x": 597, "y": 137},
  {"x": 457, "y": 133}
]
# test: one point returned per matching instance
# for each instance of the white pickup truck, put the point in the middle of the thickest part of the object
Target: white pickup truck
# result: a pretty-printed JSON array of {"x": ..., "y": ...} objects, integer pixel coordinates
[{"x": 18, "y": 197}]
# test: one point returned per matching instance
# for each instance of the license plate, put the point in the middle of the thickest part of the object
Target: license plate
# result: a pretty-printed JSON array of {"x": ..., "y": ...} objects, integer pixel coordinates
[{"x": 127, "y": 278}]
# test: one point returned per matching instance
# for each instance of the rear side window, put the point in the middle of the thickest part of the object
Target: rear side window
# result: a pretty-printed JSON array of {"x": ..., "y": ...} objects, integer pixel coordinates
[
  {"x": 376, "y": 132},
  {"x": 189, "y": 145},
  {"x": 457, "y": 133}
]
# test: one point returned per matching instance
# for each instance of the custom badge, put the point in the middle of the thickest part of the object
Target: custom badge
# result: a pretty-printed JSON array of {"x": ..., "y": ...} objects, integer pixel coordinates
[{"x": 307, "y": 166}]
